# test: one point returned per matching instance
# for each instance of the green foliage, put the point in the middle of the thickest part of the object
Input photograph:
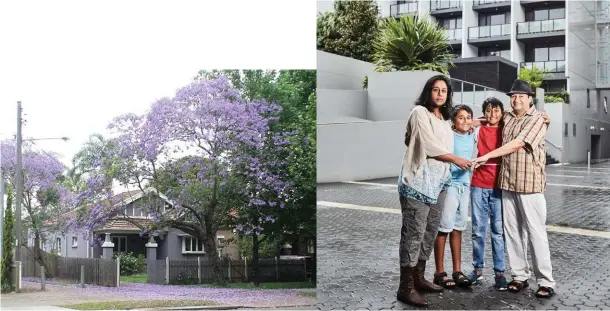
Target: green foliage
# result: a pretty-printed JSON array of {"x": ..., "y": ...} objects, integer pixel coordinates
[
  {"x": 130, "y": 263},
  {"x": 269, "y": 248},
  {"x": 349, "y": 30},
  {"x": 563, "y": 97},
  {"x": 411, "y": 43},
  {"x": 365, "y": 83},
  {"x": 552, "y": 99},
  {"x": 8, "y": 245},
  {"x": 533, "y": 76}
]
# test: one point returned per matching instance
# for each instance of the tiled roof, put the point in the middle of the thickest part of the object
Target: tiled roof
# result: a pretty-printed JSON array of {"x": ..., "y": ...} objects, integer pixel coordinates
[{"x": 124, "y": 224}]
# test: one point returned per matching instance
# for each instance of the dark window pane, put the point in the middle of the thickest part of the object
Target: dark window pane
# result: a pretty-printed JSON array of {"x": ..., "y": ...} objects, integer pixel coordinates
[
  {"x": 541, "y": 54},
  {"x": 498, "y": 19},
  {"x": 541, "y": 15},
  {"x": 557, "y": 13},
  {"x": 557, "y": 53}
]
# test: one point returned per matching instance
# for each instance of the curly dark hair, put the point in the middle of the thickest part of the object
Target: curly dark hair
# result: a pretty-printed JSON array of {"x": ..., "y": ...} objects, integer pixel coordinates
[{"x": 425, "y": 98}]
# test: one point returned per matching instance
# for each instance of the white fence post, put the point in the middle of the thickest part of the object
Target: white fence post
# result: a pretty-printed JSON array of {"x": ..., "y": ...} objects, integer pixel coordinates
[
  {"x": 42, "y": 278},
  {"x": 199, "y": 269},
  {"x": 118, "y": 271},
  {"x": 589, "y": 161},
  {"x": 166, "y": 270},
  {"x": 82, "y": 275}
]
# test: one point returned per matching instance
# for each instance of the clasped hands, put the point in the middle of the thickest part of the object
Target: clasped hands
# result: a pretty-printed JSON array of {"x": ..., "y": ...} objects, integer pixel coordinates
[{"x": 466, "y": 164}]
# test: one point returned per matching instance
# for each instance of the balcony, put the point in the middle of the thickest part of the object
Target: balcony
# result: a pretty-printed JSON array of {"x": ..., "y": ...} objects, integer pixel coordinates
[
  {"x": 552, "y": 30},
  {"x": 444, "y": 8},
  {"x": 454, "y": 36},
  {"x": 542, "y": 4},
  {"x": 483, "y": 6},
  {"x": 398, "y": 10},
  {"x": 488, "y": 36},
  {"x": 553, "y": 66}
]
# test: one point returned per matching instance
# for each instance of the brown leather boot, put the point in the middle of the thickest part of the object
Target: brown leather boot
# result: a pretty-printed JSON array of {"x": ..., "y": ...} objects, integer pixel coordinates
[
  {"x": 406, "y": 290},
  {"x": 421, "y": 282}
]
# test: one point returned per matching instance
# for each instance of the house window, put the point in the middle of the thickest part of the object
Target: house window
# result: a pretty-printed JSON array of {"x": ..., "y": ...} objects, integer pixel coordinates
[
  {"x": 574, "y": 129},
  {"x": 192, "y": 245},
  {"x": 588, "y": 99},
  {"x": 74, "y": 241},
  {"x": 565, "y": 130},
  {"x": 310, "y": 248},
  {"x": 605, "y": 104},
  {"x": 221, "y": 239},
  {"x": 58, "y": 245},
  {"x": 494, "y": 19},
  {"x": 450, "y": 23},
  {"x": 120, "y": 244}
]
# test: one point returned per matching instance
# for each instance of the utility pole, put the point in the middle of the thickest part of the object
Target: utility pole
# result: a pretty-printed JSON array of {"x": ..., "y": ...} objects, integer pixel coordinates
[
  {"x": 19, "y": 188},
  {"x": 1, "y": 203}
]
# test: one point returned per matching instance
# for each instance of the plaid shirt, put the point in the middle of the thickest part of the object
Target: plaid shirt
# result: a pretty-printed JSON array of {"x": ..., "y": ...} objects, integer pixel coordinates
[{"x": 523, "y": 171}]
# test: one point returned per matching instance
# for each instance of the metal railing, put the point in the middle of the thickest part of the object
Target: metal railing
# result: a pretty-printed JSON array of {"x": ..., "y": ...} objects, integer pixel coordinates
[
  {"x": 560, "y": 149},
  {"x": 468, "y": 93},
  {"x": 488, "y": 31},
  {"x": 454, "y": 34},
  {"x": 444, "y": 4},
  {"x": 484, "y": 2},
  {"x": 541, "y": 26},
  {"x": 398, "y": 10},
  {"x": 551, "y": 66}
]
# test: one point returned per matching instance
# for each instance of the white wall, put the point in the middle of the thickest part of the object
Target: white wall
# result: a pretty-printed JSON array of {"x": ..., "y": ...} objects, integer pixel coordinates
[
  {"x": 344, "y": 103},
  {"x": 391, "y": 95},
  {"x": 359, "y": 151},
  {"x": 342, "y": 73},
  {"x": 517, "y": 15},
  {"x": 470, "y": 18}
]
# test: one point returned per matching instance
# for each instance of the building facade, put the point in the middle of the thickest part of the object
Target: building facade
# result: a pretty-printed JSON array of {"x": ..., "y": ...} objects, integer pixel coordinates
[{"x": 570, "y": 40}]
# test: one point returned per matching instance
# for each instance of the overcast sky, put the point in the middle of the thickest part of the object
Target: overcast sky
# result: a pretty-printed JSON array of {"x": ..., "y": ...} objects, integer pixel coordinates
[{"x": 75, "y": 65}]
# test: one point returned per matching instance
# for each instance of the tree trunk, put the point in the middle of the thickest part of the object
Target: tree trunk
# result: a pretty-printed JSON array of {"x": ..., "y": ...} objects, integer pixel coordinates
[
  {"x": 209, "y": 243},
  {"x": 255, "y": 260},
  {"x": 39, "y": 255}
]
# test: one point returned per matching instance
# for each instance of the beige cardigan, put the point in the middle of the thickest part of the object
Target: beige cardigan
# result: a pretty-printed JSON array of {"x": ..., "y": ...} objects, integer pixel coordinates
[{"x": 427, "y": 136}]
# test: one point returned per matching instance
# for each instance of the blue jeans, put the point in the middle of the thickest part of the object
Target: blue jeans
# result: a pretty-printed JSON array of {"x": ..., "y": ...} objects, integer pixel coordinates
[{"x": 486, "y": 204}]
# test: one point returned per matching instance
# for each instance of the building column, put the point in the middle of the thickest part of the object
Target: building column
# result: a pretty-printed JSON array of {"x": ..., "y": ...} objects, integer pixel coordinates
[{"x": 107, "y": 247}]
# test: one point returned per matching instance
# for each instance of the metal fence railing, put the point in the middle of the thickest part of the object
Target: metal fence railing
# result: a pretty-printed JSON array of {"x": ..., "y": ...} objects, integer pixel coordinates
[
  {"x": 468, "y": 93},
  {"x": 552, "y": 66}
]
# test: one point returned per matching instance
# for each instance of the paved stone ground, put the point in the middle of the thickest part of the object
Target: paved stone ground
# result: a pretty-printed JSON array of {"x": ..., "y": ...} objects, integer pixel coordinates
[{"x": 358, "y": 249}]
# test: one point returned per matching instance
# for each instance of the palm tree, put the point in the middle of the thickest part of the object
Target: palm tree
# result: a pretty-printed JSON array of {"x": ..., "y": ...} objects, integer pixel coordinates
[{"x": 411, "y": 43}]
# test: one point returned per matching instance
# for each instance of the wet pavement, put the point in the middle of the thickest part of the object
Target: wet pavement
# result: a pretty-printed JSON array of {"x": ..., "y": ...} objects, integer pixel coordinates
[{"x": 358, "y": 247}]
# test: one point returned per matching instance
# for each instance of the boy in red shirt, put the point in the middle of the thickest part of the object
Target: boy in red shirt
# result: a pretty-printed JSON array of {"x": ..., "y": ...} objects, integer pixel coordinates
[{"x": 485, "y": 199}]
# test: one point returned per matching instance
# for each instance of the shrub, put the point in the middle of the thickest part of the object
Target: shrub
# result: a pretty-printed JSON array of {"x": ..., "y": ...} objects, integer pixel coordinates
[
  {"x": 130, "y": 263},
  {"x": 533, "y": 76},
  {"x": 349, "y": 30},
  {"x": 411, "y": 43}
]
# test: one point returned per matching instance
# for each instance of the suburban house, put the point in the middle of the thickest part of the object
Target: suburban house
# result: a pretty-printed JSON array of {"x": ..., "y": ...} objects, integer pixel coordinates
[{"x": 122, "y": 232}]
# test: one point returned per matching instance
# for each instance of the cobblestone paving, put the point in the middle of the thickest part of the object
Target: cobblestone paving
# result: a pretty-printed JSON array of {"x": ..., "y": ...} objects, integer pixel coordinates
[{"x": 358, "y": 251}]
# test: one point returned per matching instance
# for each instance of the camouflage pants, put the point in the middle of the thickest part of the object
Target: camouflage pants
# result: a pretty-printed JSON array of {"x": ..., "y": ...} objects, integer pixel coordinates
[{"x": 420, "y": 223}]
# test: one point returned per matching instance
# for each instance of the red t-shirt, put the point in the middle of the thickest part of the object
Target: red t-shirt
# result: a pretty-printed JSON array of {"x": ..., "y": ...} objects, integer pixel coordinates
[{"x": 489, "y": 139}]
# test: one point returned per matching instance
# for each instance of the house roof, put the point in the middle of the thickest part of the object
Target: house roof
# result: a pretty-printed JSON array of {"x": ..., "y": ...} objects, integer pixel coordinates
[{"x": 119, "y": 224}]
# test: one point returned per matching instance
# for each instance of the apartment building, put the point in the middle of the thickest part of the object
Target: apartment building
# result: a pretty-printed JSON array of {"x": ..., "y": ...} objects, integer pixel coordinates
[{"x": 570, "y": 40}]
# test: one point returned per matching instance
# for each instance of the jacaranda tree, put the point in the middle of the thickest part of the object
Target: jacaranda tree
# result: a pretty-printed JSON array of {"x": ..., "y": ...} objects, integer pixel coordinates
[
  {"x": 206, "y": 148},
  {"x": 44, "y": 196}
]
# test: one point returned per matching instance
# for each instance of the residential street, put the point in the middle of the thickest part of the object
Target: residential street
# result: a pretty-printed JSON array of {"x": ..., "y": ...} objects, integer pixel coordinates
[{"x": 358, "y": 234}]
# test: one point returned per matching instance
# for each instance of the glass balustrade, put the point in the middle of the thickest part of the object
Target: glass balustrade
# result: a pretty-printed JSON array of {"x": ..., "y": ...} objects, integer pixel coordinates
[
  {"x": 541, "y": 26},
  {"x": 454, "y": 34},
  {"x": 444, "y": 4},
  {"x": 398, "y": 10},
  {"x": 488, "y": 31},
  {"x": 553, "y": 66},
  {"x": 484, "y": 2}
]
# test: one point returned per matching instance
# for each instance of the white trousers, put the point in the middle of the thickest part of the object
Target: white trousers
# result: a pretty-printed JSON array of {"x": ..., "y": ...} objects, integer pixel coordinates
[{"x": 525, "y": 224}]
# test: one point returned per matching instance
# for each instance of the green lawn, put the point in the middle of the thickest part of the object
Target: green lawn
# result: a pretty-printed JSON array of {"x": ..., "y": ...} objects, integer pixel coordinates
[
  {"x": 136, "y": 278},
  {"x": 274, "y": 285},
  {"x": 138, "y": 304}
]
